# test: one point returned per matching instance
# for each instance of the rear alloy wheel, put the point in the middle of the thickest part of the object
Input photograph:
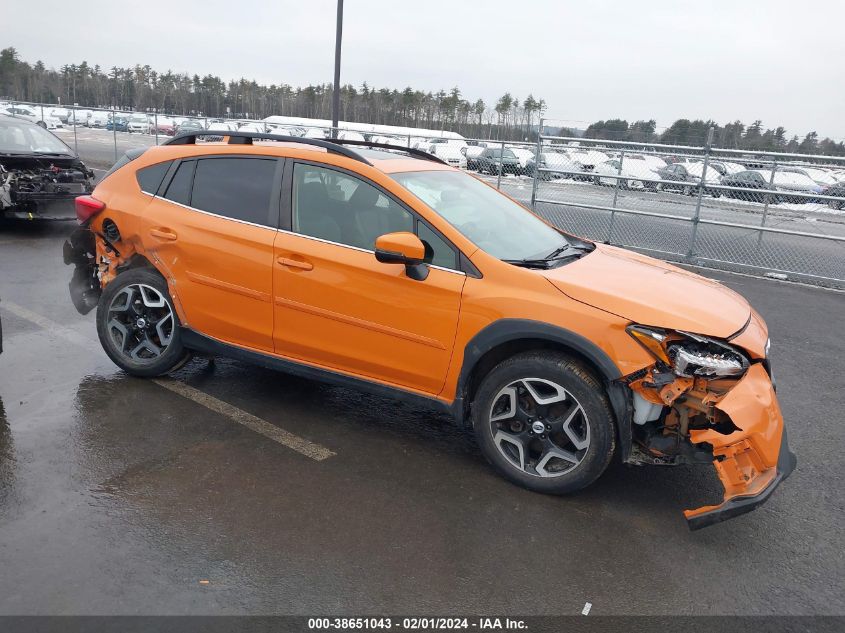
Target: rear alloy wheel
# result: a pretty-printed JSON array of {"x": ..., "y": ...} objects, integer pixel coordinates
[
  {"x": 544, "y": 422},
  {"x": 138, "y": 326}
]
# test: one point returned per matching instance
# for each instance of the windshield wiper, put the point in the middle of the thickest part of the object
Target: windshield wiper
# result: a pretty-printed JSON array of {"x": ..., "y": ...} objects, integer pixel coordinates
[
  {"x": 529, "y": 263},
  {"x": 568, "y": 251}
]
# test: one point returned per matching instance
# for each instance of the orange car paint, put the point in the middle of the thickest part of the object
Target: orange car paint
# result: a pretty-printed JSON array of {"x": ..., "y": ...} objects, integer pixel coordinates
[{"x": 338, "y": 308}]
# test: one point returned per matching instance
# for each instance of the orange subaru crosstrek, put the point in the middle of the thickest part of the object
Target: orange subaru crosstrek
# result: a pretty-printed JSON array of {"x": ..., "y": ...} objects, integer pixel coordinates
[{"x": 383, "y": 268}]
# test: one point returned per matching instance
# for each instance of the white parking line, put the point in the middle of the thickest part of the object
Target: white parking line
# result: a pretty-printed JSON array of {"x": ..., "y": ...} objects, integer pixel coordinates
[
  {"x": 294, "y": 442},
  {"x": 46, "y": 324},
  {"x": 254, "y": 423}
]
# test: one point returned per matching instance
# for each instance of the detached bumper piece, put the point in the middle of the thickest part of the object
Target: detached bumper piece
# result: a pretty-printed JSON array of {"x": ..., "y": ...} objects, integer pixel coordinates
[
  {"x": 80, "y": 251},
  {"x": 753, "y": 460}
]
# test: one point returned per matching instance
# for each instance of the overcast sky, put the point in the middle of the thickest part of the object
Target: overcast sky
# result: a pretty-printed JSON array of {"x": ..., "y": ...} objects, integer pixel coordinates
[{"x": 777, "y": 60}]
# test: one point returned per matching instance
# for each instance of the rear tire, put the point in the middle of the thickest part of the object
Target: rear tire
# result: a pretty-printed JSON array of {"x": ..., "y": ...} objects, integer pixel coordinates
[
  {"x": 544, "y": 422},
  {"x": 138, "y": 325}
]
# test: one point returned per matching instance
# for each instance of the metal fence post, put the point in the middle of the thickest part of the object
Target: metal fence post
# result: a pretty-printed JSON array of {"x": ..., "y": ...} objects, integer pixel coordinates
[
  {"x": 155, "y": 122},
  {"x": 42, "y": 116},
  {"x": 409, "y": 140},
  {"x": 114, "y": 131},
  {"x": 75, "y": 143},
  {"x": 615, "y": 196},
  {"x": 537, "y": 164},
  {"x": 501, "y": 164},
  {"x": 697, "y": 216},
  {"x": 618, "y": 177},
  {"x": 767, "y": 198}
]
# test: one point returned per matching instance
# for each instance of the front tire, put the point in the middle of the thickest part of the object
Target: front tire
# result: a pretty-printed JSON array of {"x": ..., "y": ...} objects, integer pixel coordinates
[
  {"x": 138, "y": 325},
  {"x": 544, "y": 422}
]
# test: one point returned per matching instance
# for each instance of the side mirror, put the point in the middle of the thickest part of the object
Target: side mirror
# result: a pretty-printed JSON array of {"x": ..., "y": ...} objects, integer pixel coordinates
[{"x": 403, "y": 248}]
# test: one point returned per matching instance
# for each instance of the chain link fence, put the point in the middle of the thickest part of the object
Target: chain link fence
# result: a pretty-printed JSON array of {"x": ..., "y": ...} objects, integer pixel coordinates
[{"x": 782, "y": 215}]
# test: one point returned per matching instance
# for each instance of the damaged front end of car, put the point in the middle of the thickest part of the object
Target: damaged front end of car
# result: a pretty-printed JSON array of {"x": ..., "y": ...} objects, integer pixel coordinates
[
  {"x": 41, "y": 187},
  {"x": 707, "y": 401}
]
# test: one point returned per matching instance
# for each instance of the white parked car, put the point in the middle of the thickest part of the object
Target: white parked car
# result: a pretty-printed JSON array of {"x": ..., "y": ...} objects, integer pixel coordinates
[
  {"x": 252, "y": 127},
  {"x": 819, "y": 176},
  {"x": 350, "y": 135},
  {"x": 450, "y": 153},
  {"x": 99, "y": 118},
  {"x": 390, "y": 140},
  {"x": 792, "y": 181},
  {"x": 79, "y": 117},
  {"x": 460, "y": 143},
  {"x": 586, "y": 160},
  {"x": 653, "y": 162},
  {"x": 30, "y": 113},
  {"x": 60, "y": 113},
  {"x": 632, "y": 173},
  {"x": 523, "y": 155},
  {"x": 315, "y": 132},
  {"x": 138, "y": 122}
]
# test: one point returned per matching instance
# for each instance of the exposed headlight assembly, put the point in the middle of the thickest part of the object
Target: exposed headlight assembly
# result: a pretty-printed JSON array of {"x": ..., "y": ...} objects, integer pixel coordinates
[{"x": 691, "y": 355}]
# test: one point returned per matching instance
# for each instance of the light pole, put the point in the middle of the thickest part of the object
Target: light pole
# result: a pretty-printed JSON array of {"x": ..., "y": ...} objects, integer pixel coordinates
[{"x": 336, "y": 91}]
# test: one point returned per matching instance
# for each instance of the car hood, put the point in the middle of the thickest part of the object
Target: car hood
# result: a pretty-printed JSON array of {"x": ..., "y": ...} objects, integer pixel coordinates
[{"x": 651, "y": 292}]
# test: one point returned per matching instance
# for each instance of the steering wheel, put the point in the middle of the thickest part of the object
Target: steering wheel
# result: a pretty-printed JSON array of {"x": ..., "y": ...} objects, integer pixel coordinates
[{"x": 477, "y": 232}]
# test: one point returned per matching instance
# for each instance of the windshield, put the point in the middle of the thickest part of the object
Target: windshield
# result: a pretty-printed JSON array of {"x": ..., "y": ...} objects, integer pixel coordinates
[
  {"x": 23, "y": 137},
  {"x": 489, "y": 219}
]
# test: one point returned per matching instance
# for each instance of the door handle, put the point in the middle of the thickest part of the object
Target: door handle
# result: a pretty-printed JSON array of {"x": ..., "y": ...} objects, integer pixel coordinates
[
  {"x": 294, "y": 263},
  {"x": 163, "y": 234}
]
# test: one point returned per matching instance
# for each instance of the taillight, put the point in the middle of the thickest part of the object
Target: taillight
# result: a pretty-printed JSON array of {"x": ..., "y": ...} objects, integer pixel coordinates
[{"x": 87, "y": 207}]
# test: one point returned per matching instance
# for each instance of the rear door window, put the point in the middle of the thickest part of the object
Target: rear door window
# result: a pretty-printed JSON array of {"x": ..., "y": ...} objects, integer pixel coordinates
[{"x": 240, "y": 188}]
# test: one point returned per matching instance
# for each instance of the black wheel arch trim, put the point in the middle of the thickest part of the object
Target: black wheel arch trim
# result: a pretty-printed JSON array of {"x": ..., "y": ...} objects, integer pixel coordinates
[{"x": 511, "y": 330}]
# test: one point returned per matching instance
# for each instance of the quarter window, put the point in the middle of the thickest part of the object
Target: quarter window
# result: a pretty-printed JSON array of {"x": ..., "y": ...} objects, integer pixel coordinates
[
  {"x": 237, "y": 188},
  {"x": 179, "y": 189},
  {"x": 149, "y": 178}
]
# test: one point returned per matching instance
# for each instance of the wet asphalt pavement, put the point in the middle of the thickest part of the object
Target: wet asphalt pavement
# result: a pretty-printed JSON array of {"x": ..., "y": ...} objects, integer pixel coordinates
[{"x": 118, "y": 496}]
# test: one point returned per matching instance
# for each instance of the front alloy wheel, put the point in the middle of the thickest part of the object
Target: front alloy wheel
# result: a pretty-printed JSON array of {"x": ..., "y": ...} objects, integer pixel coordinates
[
  {"x": 539, "y": 427},
  {"x": 544, "y": 421}
]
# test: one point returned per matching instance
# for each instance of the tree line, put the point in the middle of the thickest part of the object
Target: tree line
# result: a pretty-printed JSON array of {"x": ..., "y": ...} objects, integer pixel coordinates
[
  {"x": 730, "y": 136},
  {"x": 509, "y": 118},
  {"x": 144, "y": 89}
]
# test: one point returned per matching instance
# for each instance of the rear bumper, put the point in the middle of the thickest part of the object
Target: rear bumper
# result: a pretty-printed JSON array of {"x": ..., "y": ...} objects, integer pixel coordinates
[{"x": 752, "y": 460}]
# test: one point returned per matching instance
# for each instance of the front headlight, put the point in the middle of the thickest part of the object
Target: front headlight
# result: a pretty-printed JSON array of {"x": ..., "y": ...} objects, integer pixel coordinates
[{"x": 690, "y": 355}]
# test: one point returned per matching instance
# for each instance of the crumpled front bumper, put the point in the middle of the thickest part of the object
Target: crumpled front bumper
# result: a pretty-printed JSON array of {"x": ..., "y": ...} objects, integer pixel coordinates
[{"x": 753, "y": 460}]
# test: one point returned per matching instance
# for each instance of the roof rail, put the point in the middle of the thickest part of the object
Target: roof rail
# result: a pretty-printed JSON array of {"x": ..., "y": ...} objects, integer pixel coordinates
[
  {"x": 245, "y": 138},
  {"x": 410, "y": 150}
]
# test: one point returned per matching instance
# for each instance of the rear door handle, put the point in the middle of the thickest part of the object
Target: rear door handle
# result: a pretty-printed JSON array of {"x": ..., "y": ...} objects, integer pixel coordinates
[
  {"x": 163, "y": 234},
  {"x": 294, "y": 263}
]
